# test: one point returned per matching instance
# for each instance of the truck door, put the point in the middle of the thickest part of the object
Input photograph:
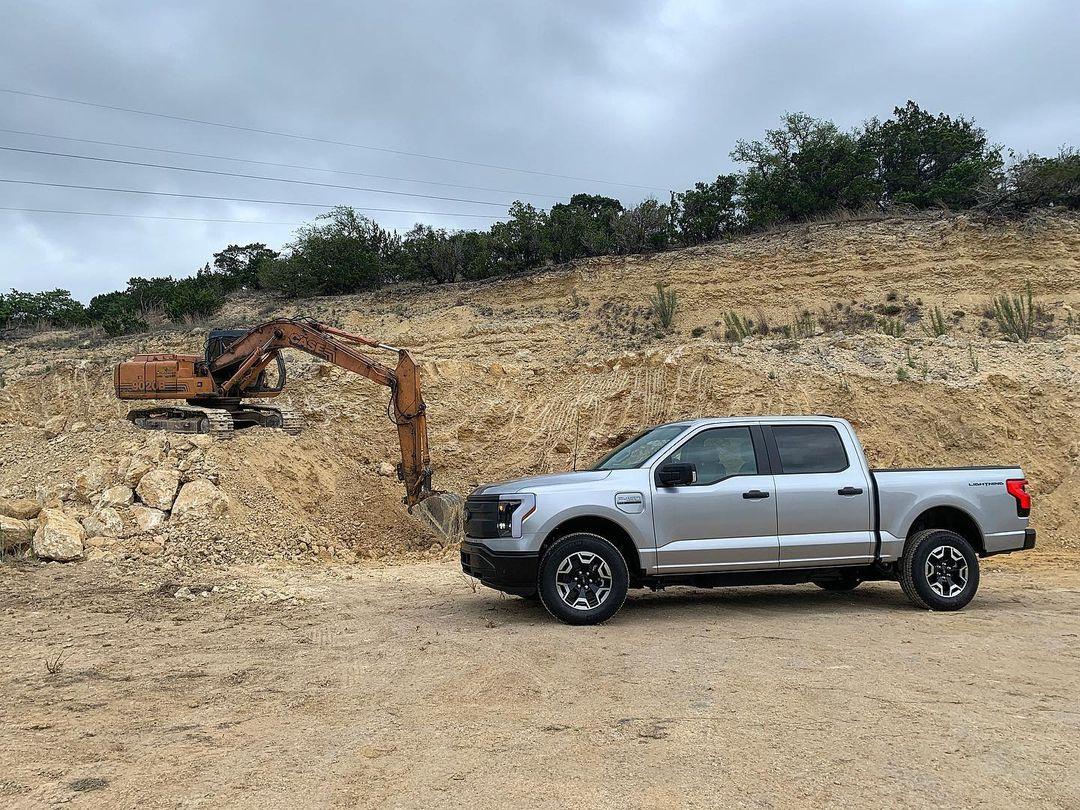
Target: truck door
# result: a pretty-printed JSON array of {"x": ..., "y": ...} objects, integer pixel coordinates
[
  {"x": 726, "y": 518},
  {"x": 822, "y": 497}
]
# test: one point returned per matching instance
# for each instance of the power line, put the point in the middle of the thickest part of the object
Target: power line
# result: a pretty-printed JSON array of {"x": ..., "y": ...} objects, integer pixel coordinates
[
  {"x": 248, "y": 176},
  {"x": 279, "y": 165},
  {"x": 144, "y": 216},
  {"x": 313, "y": 139},
  {"x": 239, "y": 199}
]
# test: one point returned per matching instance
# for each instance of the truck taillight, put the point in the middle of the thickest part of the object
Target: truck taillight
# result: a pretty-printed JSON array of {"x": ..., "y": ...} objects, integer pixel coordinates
[{"x": 1017, "y": 487}]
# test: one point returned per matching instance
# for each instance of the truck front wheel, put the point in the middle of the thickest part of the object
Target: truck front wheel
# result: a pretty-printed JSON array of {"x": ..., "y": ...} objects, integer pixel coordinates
[
  {"x": 582, "y": 579},
  {"x": 939, "y": 570}
]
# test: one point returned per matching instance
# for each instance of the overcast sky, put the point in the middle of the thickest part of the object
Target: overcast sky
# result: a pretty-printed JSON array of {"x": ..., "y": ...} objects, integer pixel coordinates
[{"x": 649, "y": 94}]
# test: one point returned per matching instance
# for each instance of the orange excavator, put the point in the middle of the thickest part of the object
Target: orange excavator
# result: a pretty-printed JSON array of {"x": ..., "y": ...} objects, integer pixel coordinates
[{"x": 241, "y": 364}]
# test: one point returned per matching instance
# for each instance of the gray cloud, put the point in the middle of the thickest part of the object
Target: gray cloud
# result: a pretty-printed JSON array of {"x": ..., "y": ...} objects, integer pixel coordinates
[{"x": 638, "y": 92}]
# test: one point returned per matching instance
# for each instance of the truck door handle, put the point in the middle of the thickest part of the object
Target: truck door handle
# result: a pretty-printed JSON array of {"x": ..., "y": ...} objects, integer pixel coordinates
[
  {"x": 754, "y": 494},
  {"x": 849, "y": 491}
]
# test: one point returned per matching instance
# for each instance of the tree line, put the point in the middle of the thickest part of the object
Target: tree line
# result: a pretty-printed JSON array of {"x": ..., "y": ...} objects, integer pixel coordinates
[{"x": 806, "y": 167}]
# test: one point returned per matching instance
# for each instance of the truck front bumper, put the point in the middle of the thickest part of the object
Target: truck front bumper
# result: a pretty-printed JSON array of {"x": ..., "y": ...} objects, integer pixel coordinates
[{"x": 508, "y": 571}]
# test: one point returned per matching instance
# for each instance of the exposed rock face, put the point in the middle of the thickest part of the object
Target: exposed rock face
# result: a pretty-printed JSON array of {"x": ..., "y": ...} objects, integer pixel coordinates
[
  {"x": 104, "y": 521},
  {"x": 58, "y": 536},
  {"x": 157, "y": 488},
  {"x": 147, "y": 519},
  {"x": 14, "y": 532},
  {"x": 201, "y": 497},
  {"x": 21, "y": 508},
  {"x": 116, "y": 497}
]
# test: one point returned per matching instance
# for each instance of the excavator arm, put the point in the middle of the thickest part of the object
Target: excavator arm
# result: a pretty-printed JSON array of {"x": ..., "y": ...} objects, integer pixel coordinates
[{"x": 244, "y": 360}]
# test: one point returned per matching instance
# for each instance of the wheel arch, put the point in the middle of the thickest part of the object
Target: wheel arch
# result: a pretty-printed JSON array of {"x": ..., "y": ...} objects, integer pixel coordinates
[
  {"x": 606, "y": 528},
  {"x": 951, "y": 518}
]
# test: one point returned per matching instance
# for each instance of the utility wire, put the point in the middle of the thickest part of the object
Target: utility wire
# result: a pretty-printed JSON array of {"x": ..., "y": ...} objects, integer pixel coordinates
[
  {"x": 144, "y": 216},
  {"x": 313, "y": 139},
  {"x": 239, "y": 199},
  {"x": 247, "y": 176},
  {"x": 278, "y": 165}
]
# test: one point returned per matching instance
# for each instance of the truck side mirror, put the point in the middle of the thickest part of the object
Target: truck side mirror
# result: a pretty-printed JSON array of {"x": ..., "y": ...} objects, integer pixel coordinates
[{"x": 676, "y": 474}]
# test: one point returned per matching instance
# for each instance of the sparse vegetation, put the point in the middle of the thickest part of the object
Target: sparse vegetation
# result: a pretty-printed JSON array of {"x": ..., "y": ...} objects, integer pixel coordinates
[
  {"x": 803, "y": 326},
  {"x": 1015, "y": 315},
  {"x": 974, "y": 360},
  {"x": 902, "y": 374},
  {"x": 737, "y": 327},
  {"x": 664, "y": 303},
  {"x": 894, "y": 327},
  {"x": 934, "y": 324}
]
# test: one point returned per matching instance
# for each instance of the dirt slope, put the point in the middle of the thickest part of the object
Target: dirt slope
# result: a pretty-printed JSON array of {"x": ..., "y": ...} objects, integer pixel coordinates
[{"x": 519, "y": 373}]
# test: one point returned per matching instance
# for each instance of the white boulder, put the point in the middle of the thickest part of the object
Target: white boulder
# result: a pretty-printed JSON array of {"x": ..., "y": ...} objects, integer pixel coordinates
[
  {"x": 116, "y": 497},
  {"x": 157, "y": 488},
  {"x": 103, "y": 521},
  {"x": 21, "y": 508},
  {"x": 201, "y": 497},
  {"x": 58, "y": 537},
  {"x": 14, "y": 532},
  {"x": 147, "y": 519}
]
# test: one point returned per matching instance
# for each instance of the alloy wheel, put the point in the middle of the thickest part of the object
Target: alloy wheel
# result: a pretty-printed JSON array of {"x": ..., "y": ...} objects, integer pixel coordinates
[
  {"x": 583, "y": 580},
  {"x": 946, "y": 571}
]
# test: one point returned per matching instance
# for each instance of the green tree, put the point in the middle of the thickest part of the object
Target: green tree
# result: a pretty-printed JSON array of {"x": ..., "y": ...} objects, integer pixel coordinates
[
  {"x": 239, "y": 265},
  {"x": 519, "y": 243},
  {"x": 116, "y": 313},
  {"x": 926, "y": 160},
  {"x": 1035, "y": 181},
  {"x": 805, "y": 168},
  {"x": 341, "y": 252},
  {"x": 708, "y": 211}
]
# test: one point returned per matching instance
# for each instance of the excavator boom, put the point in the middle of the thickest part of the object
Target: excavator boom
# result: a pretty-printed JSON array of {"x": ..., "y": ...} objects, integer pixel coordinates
[{"x": 234, "y": 369}]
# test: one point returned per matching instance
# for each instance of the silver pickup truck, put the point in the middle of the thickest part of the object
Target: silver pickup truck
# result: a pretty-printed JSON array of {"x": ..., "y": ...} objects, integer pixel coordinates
[{"x": 742, "y": 501}]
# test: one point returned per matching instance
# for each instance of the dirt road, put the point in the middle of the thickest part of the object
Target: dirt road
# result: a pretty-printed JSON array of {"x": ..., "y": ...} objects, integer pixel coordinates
[{"x": 399, "y": 686}]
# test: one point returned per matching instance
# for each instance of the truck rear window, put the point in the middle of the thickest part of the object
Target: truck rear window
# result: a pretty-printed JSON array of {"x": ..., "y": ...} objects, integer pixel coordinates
[{"x": 810, "y": 448}]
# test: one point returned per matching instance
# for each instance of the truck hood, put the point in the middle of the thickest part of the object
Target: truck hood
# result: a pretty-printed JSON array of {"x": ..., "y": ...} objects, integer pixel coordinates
[{"x": 536, "y": 482}]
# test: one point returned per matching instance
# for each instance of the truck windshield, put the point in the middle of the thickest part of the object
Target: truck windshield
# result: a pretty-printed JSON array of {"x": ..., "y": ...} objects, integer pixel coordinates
[{"x": 636, "y": 451}]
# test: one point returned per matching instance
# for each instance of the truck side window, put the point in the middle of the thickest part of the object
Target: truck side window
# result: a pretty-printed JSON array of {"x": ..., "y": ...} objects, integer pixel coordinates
[
  {"x": 719, "y": 453},
  {"x": 810, "y": 448}
]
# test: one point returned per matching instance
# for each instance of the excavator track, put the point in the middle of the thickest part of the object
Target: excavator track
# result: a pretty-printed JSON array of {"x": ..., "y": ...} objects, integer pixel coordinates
[
  {"x": 287, "y": 420},
  {"x": 216, "y": 422}
]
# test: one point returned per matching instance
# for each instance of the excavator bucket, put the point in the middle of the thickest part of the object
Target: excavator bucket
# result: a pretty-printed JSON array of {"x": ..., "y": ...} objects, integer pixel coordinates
[{"x": 441, "y": 513}]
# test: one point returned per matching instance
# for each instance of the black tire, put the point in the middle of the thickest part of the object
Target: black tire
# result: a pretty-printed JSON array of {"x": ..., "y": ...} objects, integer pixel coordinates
[
  {"x": 848, "y": 582},
  {"x": 582, "y": 568},
  {"x": 939, "y": 570}
]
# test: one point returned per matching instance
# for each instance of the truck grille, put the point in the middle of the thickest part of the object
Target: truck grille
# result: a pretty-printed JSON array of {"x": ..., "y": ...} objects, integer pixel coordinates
[{"x": 482, "y": 516}]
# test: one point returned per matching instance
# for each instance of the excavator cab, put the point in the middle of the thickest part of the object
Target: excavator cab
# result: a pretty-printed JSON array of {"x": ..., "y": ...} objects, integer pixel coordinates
[{"x": 219, "y": 341}]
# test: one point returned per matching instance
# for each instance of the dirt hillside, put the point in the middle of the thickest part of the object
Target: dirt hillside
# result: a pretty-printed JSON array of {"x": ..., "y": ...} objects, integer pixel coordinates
[{"x": 521, "y": 374}]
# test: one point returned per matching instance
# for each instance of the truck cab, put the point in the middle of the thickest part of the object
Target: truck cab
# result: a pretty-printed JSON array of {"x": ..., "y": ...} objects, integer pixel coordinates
[{"x": 740, "y": 500}]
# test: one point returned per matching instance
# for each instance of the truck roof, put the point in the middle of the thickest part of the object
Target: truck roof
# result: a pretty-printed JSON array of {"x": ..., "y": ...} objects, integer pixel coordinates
[{"x": 721, "y": 420}]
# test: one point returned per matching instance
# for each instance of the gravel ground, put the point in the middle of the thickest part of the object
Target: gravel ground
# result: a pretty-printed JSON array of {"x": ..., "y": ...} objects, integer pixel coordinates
[{"x": 401, "y": 686}]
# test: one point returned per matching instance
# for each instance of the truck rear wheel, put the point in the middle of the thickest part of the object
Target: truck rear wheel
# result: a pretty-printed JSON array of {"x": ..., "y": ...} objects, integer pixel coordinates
[
  {"x": 939, "y": 570},
  {"x": 582, "y": 579}
]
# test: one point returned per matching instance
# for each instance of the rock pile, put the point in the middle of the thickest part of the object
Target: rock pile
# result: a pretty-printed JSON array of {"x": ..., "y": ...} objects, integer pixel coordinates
[{"x": 127, "y": 505}]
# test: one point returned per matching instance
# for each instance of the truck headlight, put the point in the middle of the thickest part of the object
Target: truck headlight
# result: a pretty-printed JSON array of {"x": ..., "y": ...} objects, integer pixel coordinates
[{"x": 513, "y": 509}]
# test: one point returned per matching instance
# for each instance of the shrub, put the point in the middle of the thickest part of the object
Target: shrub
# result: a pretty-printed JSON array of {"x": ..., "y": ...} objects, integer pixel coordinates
[
  {"x": 193, "y": 298},
  {"x": 894, "y": 327},
  {"x": 935, "y": 324},
  {"x": 736, "y": 327},
  {"x": 664, "y": 304},
  {"x": 1015, "y": 315}
]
